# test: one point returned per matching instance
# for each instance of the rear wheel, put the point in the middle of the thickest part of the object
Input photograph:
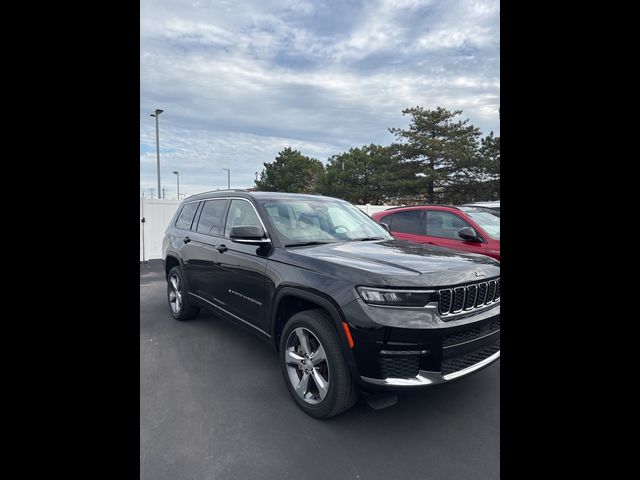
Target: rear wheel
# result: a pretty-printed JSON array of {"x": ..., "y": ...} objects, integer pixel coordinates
[
  {"x": 314, "y": 367},
  {"x": 178, "y": 296}
]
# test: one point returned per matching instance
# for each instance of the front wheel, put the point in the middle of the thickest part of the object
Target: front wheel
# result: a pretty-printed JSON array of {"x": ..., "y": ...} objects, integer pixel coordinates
[{"x": 314, "y": 367}]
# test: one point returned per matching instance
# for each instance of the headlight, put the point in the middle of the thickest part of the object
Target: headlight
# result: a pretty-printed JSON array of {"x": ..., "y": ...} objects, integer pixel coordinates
[{"x": 400, "y": 298}]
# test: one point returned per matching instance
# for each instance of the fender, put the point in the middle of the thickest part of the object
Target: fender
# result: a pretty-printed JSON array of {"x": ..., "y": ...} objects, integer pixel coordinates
[
  {"x": 323, "y": 301},
  {"x": 173, "y": 255}
]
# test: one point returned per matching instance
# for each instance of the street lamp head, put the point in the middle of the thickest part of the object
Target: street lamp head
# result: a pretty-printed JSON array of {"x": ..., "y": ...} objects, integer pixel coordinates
[
  {"x": 176, "y": 172},
  {"x": 158, "y": 111}
]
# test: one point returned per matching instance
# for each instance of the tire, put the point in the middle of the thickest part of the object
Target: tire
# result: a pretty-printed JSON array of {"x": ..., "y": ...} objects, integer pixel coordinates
[
  {"x": 339, "y": 392},
  {"x": 180, "y": 305}
]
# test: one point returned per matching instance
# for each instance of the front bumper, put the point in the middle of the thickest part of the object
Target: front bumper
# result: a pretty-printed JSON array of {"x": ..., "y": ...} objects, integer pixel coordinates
[
  {"x": 422, "y": 350},
  {"x": 424, "y": 378}
]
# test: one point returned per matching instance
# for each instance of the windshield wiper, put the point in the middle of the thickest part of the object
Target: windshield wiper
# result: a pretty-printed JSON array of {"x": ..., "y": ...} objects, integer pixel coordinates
[
  {"x": 366, "y": 238},
  {"x": 304, "y": 244}
]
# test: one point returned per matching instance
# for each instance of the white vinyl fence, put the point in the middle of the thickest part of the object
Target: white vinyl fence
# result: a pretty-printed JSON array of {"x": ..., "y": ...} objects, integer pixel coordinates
[{"x": 157, "y": 214}]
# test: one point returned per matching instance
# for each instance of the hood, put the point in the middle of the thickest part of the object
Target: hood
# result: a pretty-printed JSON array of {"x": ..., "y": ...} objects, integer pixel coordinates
[{"x": 397, "y": 262}]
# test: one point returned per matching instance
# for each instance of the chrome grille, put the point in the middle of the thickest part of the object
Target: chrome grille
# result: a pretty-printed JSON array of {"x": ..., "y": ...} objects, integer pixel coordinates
[{"x": 468, "y": 297}]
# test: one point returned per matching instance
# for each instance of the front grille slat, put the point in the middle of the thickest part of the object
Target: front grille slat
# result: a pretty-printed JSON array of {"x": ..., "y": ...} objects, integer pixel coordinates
[
  {"x": 472, "y": 292},
  {"x": 458, "y": 299},
  {"x": 482, "y": 294},
  {"x": 468, "y": 297},
  {"x": 446, "y": 297},
  {"x": 492, "y": 291}
]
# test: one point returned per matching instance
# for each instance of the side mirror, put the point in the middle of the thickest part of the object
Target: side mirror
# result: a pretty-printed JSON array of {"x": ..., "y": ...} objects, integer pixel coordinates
[
  {"x": 469, "y": 234},
  {"x": 248, "y": 234},
  {"x": 385, "y": 226}
]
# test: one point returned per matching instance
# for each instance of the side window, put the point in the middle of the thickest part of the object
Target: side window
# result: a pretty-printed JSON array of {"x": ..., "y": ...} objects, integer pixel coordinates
[
  {"x": 241, "y": 212},
  {"x": 444, "y": 224},
  {"x": 406, "y": 222},
  {"x": 186, "y": 216},
  {"x": 212, "y": 217}
]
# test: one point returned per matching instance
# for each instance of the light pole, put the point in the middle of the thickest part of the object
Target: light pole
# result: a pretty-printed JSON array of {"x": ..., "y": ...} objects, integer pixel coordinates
[
  {"x": 228, "y": 178},
  {"x": 157, "y": 114},
  {"x": 178, "y": 178}
]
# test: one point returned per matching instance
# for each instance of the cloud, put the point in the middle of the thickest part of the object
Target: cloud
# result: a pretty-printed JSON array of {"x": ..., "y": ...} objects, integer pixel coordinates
[{"x": 240, "y": 80}]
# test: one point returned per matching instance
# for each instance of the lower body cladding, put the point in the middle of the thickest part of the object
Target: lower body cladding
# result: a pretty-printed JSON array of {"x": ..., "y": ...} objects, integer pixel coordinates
[{"x": 392, "y": 358}]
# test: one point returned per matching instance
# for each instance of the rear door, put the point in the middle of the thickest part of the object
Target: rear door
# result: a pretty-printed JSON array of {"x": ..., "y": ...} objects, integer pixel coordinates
[
  {"x": 442, "y": 230},
  {"x": 181, "y": 236},
  {"x": 407, "y": 225},
  {"x": 206, "y": 237}
]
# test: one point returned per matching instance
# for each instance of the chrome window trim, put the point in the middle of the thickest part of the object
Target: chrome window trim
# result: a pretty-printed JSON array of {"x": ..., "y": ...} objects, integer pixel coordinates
[{"x": 225, "y": 220}]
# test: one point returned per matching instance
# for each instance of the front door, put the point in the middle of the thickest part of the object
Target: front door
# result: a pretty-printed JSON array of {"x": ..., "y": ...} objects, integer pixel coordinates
[
  {"x": 442, "y": 230},
  {"x": 243, "y": 268}
]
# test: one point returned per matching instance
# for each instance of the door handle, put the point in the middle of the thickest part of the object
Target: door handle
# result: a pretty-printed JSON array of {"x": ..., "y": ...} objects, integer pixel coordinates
[
  {"x": 186, "y": 239},
  {"x": 429, "y": 243},
  {"x": 221, "y": 248}
]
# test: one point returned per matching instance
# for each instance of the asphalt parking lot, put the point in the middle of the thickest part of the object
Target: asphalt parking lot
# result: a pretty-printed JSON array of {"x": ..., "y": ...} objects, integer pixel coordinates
[{"x": 213, "y": 405}]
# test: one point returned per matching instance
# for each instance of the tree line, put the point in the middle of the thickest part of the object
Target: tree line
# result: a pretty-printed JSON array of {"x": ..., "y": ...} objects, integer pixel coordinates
[{"x": 439, "y": 158}]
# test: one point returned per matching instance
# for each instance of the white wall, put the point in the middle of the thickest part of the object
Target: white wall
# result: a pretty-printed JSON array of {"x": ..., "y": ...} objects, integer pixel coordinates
[{"x": 158, "y": 213}]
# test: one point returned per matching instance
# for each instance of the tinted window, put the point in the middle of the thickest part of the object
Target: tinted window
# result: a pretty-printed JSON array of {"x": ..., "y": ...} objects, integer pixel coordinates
[
  {"x": 320, "y": 220},
  {"x": 186, "y": 216},
  {"x": 444, "y": 224},
  {"x": 406, "y": 222},
  {"x": 242, "y": 213},
  {"x": 212, "y": 217}
]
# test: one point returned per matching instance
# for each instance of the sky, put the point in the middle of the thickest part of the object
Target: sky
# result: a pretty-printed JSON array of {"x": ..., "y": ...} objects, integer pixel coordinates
[{"x": 240, "y": 80}]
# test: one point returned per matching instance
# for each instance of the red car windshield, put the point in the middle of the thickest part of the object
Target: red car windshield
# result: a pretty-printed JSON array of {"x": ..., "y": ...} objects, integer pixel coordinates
[{"x": 489, "y": 222}]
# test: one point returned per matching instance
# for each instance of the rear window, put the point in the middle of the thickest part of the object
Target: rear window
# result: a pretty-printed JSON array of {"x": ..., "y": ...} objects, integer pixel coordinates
[
  {"x": 406, "y": 222},
  {"x": 186, "y": 216}
]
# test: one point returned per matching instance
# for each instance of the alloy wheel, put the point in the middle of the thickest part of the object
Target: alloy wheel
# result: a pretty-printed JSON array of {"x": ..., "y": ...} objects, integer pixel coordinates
[
  {"x": 307, "y": 366},
  {"x": 175, "y": 293}
]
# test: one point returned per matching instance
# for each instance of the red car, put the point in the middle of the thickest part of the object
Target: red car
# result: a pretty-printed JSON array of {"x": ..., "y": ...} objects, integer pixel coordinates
[{"x": 470, "y": 229}]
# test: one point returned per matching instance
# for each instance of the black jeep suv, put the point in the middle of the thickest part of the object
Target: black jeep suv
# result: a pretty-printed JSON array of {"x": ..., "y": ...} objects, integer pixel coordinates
[{"x": 347, "y": 306}]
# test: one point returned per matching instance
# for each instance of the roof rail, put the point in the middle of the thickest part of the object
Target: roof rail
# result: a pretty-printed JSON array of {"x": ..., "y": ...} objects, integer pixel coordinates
[
  {"x": 423, "y": 205},
  {"x": 218, "y": 191}
]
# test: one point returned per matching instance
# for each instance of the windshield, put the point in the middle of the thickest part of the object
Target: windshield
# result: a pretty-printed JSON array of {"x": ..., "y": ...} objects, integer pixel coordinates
[
  {"x": 489, "y": 222},
  {"x": 321, "y": 221}
]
